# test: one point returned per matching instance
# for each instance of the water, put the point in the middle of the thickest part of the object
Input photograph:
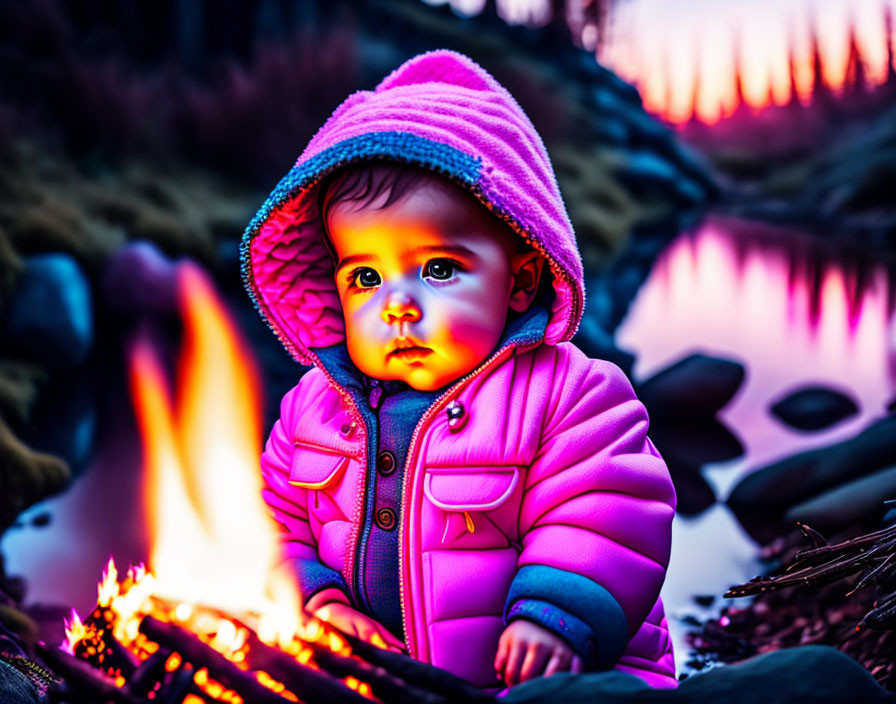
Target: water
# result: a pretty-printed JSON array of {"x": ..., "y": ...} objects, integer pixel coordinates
[{"x": 794, "y": 311}]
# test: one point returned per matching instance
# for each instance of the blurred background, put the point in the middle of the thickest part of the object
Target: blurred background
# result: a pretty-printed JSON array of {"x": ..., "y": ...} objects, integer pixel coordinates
[{"x": 729, "y": 168}]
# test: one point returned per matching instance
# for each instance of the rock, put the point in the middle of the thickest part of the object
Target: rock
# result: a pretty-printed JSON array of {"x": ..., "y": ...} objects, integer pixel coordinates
[
  {"x": 854, "y": 503},
  {"x": 814, "y": 408},
  {"x": 64, "y": 419},
  {"x": 762, "y": 499},
  {"x": 18, "y": 387},
  {"x": 139, "y": 276},
  {"x": 802, "y": 476},
  {"x": 42, "y": 520},
  {"x": 10, "y": 267},
  {"x": 696, "y": 442},
  {"x": 695, "y": 387},
  {"x": 644, "y": 170},
  {"x": 682, "y": 401},
  {"x": 692, "y": 492},
  {"x": 890, "y": 515},
  {"x": 811, "y": 673},
  {"x": 597, "y": 343},
  {"x": 775, "y": 487},
  {"x": 50, "y": 317},
  {"x": 611, "y": 130},
  {"x": 26, "y": 476}
]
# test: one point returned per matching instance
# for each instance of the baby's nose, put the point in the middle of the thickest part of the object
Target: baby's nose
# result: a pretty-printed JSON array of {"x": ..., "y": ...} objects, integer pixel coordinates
[{"x": 400, "y": 307}]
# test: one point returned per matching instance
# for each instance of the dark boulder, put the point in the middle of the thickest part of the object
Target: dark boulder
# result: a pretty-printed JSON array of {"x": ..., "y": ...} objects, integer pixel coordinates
[
  {"x": 695, "y": 387},
  {"x": 764, "y": 498},
  {"x": 50, "y": 316},
  {"x": 814, "y": 408},
  {"x": 854, "y": 503},
  {"x": 811, "y": 673}
]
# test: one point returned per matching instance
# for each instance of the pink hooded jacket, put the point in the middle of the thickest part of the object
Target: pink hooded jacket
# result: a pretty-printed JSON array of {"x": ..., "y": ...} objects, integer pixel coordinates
[{"x": 540, "y": 491}]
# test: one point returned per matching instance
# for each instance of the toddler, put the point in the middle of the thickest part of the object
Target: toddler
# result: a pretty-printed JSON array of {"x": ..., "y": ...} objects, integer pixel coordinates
[{"x": 454, "y": 476}]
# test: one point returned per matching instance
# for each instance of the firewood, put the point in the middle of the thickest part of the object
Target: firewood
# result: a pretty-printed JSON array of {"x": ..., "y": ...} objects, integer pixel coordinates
[
  {"x": 419, "y": 674},
  {"x": 384, "y": 685},
  {"x": 151, "y": 670},
  {"x": 312, "y": 688},
  {"x": 87, "y": 679}
]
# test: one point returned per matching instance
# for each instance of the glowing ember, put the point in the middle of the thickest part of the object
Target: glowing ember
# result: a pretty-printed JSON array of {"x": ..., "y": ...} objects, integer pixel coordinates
[{"x": 111, "y": 640}]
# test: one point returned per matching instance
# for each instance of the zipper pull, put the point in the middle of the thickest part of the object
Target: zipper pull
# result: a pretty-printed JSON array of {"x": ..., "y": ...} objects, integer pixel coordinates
[{"x": 376, "y": 392}]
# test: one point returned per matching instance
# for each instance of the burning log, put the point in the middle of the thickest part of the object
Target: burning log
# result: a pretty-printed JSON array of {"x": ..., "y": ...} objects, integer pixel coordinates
[
  {"x": 416, "y": 673},
  {"x": 151, "y": 671},
  {"x": 392, "y": 677},
  {"x": 312, "y": 687},
  {"x": 85, "y": 677},
  {"x": 102, "y": 649},
  {"x": 145, "y": 648}
]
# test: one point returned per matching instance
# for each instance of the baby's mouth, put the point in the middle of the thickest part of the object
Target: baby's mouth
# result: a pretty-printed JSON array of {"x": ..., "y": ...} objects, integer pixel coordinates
[
  {"x": 407, "y": 349},
  {"x": 408, "y": 354}
]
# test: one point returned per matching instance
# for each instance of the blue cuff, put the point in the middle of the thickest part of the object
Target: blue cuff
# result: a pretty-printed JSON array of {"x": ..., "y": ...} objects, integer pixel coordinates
[
  {"x": 580, "y": 597},
  {"x": 570, "y": 628},
  {"x": 314, "y": 577}
]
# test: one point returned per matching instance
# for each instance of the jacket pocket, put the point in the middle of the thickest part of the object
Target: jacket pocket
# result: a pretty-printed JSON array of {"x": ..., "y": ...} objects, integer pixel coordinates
[
  {"x": 315, "y": 467},
  {"x": 470, "y": 488}
]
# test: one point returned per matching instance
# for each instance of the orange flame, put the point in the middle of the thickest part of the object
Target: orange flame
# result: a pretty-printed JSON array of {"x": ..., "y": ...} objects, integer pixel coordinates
[
  {"x": 212, "y": 540},
  {"x": 75, "y": 632},
  {"x": 107, "y": 589}
]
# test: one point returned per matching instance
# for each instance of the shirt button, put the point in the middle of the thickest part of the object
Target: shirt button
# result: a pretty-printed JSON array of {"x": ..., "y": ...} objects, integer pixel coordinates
[
  {"x": 385, "y": 518},
  {"x": 385, "y": 463}
]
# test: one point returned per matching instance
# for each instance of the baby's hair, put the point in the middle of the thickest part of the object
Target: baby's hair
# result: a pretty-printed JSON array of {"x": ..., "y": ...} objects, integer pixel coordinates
[{"x": 365, "y": 183}]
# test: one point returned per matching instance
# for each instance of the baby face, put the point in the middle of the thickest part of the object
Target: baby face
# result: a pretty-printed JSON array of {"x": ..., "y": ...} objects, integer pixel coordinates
[{"x": 424, "y": 283}]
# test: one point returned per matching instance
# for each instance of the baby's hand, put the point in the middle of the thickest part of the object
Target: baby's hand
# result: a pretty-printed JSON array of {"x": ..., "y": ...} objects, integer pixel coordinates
[
  {"x": 527, "y": 650},
  {"x": 354, "y": 623}
]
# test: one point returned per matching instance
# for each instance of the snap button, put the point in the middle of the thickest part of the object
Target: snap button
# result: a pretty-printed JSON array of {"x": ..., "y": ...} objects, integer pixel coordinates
[
  {"x": 457, "y": 416},
  {"x": 385, "y": 463},
  {"x": 385, "y": 518},
  {"x": 347, "y": 429}
]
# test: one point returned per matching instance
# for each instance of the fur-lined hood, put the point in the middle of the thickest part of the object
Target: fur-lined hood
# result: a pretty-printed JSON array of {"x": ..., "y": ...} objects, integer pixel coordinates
[{"x": 439, "y": 111}]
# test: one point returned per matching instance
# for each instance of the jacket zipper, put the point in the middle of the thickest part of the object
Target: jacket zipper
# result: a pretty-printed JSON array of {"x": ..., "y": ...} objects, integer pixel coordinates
[
  {"x": 556, "y": 270},
  {"x": 362, "y": 485},
  {"x": 412, "y": 447}
]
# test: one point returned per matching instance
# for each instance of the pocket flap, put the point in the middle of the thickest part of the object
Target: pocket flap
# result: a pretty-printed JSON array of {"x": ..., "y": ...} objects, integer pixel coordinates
[
  {"x": 316, "y": 467},
  {"x": 470, "y": 488}
]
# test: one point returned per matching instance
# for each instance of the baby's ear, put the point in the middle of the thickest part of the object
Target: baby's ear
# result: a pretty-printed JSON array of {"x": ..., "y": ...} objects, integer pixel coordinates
[{"x": 526, "y": 268}]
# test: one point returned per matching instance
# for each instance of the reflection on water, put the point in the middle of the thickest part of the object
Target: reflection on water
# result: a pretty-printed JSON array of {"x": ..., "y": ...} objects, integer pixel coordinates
[
  {"x": 794, "y": 312},
  {"x": 791, "y": 311}
]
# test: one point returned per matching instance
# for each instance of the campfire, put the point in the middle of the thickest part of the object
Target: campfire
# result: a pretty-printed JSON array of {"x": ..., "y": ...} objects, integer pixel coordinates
[{"x": 213, "y": 619}]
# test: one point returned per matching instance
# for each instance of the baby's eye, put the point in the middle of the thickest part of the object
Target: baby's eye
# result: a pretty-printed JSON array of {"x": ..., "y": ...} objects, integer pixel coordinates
[
  {"x": 365, "y": 277},
  {"x": 440, "y": 269}
]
